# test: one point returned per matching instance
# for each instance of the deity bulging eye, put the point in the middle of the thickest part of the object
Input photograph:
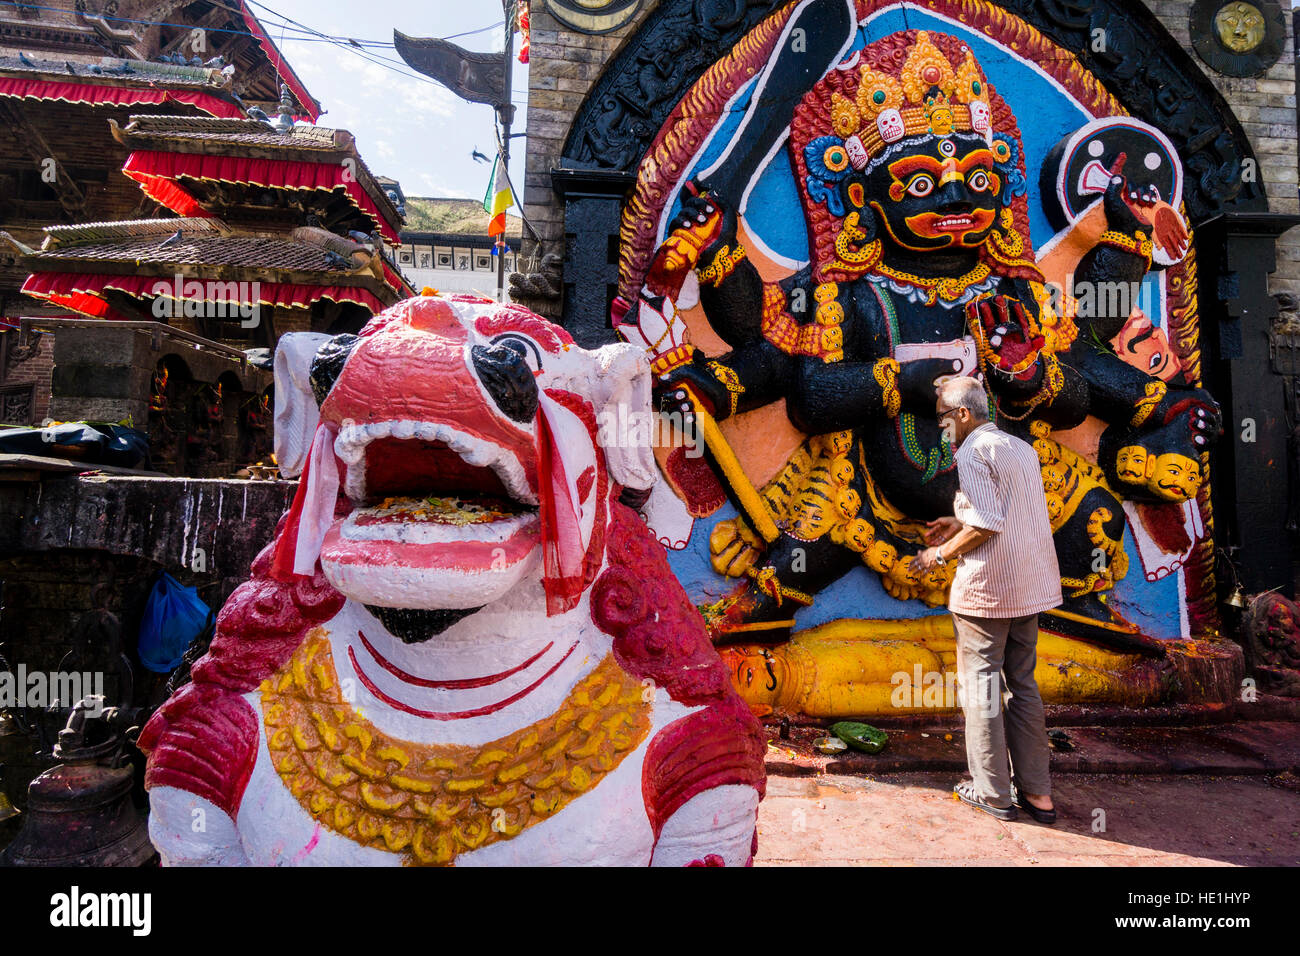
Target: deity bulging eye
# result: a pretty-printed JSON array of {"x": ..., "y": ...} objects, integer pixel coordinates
[
  {"x": 921, "y": 186},
  {"x": 947, "y": 148},
  {"x": 979, "y": 181},
  {"x": 836, "y": 159}
]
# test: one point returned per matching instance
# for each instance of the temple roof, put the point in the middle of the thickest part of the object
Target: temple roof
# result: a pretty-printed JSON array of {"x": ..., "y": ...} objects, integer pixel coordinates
[
  {"x": 114, "y": 82},
  {"x": 207, "y": 153},
  {"x": 95, "y": 268},
  {"x": 111, "y": 70},
  {"x": 147, "y": 244},
  {"x": 245, "y": 137},
  {"x": 140, "y": 31}
]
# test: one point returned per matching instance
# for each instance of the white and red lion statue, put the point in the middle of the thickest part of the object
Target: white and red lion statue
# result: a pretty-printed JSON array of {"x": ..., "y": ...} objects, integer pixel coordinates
[{"x": 462, "y": 646}]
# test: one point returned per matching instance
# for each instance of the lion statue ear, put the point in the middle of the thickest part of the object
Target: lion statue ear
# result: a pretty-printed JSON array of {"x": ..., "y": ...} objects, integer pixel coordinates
[
  {"x": 623, "y": 398},
  {"x": 296, "y": 411}
]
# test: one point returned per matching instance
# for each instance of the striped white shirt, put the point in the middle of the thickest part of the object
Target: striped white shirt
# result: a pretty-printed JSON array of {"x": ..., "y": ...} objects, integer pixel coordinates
[{"x": 1014, "y": 573}]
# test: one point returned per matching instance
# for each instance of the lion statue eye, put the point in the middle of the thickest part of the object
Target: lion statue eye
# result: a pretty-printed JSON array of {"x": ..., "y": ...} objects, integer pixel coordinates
[{"x": 524, "y": 346}]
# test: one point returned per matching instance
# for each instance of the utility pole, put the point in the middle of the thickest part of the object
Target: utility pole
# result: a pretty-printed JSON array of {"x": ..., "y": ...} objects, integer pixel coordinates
[{"x": 506, "y": 115}]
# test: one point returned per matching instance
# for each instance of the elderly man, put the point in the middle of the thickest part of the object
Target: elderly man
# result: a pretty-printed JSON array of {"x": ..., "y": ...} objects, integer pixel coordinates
[{"x": 1006, "y": 574}]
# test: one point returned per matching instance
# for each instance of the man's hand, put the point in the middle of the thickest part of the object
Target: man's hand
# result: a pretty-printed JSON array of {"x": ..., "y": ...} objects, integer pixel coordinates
[
  {"x": 941, "y": 529},
  {"x": 927, "y": 560}
]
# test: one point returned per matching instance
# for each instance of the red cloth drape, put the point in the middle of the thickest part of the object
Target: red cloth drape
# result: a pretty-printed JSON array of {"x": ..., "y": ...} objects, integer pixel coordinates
[
  {"x": 147, "y": 166},
  {"x": 81, "y": 292},
  {"x": 36, "y": 88}
]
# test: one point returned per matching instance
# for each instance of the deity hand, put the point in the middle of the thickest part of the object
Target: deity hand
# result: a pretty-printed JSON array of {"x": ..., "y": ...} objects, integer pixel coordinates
[
  {"x": 1013, "y": 338},
  {"x": 704, "y": 378},
  {"x": 734, "y": 548},
  {"x": 698, "y": 237},
  {"x": 1121, "y": 202}
]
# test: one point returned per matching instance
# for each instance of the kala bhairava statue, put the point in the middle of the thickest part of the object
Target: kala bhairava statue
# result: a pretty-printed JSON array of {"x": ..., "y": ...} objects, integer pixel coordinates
[{"x": 802, "y": 302}]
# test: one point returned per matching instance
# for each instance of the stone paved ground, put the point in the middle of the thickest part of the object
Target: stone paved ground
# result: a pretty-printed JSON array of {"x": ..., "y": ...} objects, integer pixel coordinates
[{"x": 911, "y": 819}]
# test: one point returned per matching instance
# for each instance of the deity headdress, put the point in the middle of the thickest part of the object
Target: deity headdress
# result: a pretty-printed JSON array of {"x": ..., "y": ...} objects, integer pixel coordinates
[{"x": 899, "y": 91}]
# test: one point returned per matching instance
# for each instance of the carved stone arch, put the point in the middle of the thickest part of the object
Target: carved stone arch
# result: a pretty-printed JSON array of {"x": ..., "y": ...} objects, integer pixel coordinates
[{"x": 1120, "y": 42}]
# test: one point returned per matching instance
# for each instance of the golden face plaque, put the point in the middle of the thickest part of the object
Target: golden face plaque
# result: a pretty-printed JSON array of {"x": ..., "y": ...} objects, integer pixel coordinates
[
  {"x": 593, "y": 16},
  {"x": 1240, "y": 26},
  {"x": 1236, "y": 37}
]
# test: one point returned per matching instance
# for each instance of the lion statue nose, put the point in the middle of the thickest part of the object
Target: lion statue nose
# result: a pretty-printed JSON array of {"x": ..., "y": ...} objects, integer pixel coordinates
[{"x": 504, "y": 371}]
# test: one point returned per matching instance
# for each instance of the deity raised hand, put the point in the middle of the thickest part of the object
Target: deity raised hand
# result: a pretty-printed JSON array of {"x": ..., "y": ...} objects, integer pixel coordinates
[{"x": 701, "y": 231}]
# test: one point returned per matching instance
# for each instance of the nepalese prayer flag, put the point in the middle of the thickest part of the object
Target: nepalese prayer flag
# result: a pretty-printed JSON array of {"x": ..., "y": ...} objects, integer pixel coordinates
[{"x": 498, "y": 199}]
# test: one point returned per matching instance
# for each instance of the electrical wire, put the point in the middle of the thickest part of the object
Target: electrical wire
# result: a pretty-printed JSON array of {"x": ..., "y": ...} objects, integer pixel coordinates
[{"x": 315, "y": 35}]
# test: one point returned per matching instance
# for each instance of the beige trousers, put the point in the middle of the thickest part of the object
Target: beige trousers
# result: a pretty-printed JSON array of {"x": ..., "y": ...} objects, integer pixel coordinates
[{"x": 996, "y": 656}]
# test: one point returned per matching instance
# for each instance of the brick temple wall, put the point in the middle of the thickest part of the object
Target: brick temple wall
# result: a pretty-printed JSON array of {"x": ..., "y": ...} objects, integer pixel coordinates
[
  {"x": 563, "y": 65},
  {"x": 35, "y": 371},
  {"x": 78, "y": 546}
]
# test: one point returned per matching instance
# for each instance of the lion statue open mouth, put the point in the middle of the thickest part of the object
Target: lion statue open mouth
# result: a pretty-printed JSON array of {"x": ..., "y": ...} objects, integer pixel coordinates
[{"x": 463, "y": 645}]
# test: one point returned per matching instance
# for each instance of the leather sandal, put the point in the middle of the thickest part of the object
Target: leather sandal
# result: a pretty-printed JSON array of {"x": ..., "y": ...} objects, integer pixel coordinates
[
  {"x": 1038, "y": 813},
  {"x": 966, "y": 791}
]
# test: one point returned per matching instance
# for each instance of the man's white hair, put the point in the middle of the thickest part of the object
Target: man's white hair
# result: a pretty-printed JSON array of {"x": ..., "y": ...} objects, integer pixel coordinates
[{"x": 966, "y": 392}]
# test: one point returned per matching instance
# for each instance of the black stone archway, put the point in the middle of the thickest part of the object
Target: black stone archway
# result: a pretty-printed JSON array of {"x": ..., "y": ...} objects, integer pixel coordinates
[{"x": 1141, "y": 65}]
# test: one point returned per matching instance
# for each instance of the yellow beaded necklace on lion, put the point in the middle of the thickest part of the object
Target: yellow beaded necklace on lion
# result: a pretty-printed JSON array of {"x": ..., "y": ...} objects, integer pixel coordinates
[{"x": 433, "y": 802}]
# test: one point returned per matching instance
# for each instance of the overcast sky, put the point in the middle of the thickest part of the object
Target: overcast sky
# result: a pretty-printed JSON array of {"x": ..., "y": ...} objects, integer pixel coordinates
[{"x": 407, "y": 127}]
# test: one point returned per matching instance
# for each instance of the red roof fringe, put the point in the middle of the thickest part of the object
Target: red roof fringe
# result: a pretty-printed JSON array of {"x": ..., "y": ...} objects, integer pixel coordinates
[
  {"x": 81, "y": 292},
  {"x": 92, "y": 94},
  {"x": 147, "y": 167}
]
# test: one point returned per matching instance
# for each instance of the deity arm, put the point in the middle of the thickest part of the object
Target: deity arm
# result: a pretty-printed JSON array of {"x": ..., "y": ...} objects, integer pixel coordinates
[
  {"x": 733, "y": 302},
  {"x": 746, "y": 378},
  {"x": 739, "y": 307},
  {"x": 834, "y": 396}
]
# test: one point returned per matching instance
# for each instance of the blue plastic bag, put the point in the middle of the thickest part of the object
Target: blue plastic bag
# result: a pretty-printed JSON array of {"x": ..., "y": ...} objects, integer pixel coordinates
[{"x": 173, "y": 618}]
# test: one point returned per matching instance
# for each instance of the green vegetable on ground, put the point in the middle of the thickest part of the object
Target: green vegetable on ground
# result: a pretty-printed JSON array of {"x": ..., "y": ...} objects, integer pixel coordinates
[{"x": 862, "y": 737}]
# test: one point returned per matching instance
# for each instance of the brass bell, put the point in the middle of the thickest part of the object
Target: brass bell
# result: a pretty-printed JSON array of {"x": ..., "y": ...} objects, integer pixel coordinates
[
  {"x": 7, "y": 810},
  {"x": 1237, "y": 598},
  {"x": 80, "y": 812}
]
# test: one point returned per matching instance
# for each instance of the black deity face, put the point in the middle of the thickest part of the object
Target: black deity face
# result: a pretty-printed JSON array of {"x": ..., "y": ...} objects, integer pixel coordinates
[{"x": 941, "y": 194}]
